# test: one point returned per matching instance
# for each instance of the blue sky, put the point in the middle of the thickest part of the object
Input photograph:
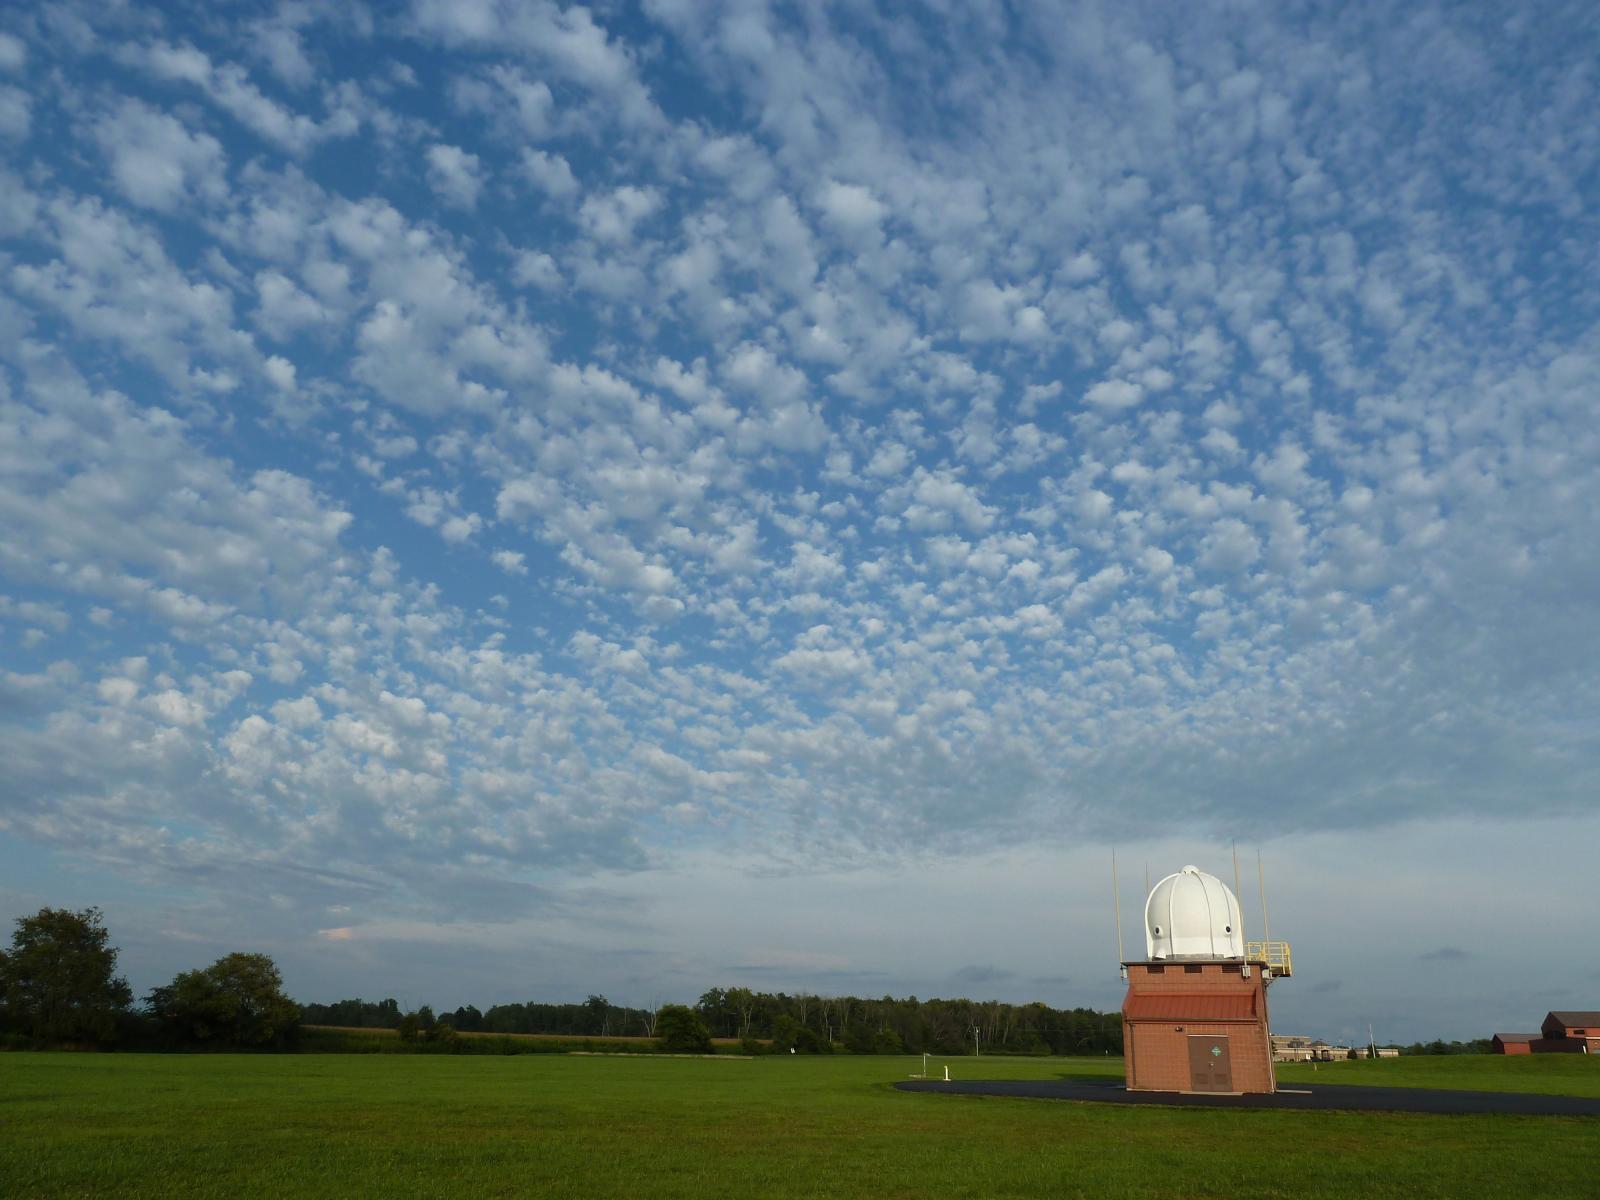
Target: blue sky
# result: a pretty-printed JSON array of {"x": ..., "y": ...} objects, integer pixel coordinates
[{"x": 504, "y": 501}]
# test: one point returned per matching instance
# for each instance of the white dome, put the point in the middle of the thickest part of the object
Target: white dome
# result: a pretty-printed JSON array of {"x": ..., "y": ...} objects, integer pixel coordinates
[{"x": 1192, "y": 915}]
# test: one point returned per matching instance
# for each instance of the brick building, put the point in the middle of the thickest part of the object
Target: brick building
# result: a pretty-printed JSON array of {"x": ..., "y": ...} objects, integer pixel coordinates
[
  {"x": 1195, "y": 1016},
  {"x": 1565, "y": 1032}
]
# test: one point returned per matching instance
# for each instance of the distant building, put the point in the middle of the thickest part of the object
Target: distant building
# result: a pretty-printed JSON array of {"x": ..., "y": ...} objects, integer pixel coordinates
[
  {"x": 1288, "y": 1047},
  {"x": 1566, "y": 1032},
  {"x": 1569, "y": 1033}
]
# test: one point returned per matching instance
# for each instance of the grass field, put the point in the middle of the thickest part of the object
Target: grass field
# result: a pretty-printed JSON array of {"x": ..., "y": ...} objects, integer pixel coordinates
[{"x": 390, "y": 1125}]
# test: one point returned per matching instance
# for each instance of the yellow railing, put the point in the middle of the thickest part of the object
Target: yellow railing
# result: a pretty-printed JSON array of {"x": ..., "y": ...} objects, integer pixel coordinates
[{"x": 1274, "y": 954}]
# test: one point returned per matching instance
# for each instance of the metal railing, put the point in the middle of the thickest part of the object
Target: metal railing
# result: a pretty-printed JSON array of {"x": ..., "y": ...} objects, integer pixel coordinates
[{"x": 1274, "y": 955}]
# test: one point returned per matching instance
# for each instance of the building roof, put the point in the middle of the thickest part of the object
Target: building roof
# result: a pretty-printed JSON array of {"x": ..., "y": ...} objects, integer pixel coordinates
[
  {"x": 1584, "y": 1019},
  {"x": 1518, "y": 1037},
  {"x": 1190, "y": 1006}
]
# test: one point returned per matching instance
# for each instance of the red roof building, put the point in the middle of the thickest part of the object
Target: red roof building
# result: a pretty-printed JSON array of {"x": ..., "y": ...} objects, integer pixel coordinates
[
  {"x": 1192, "y": 1026},
  {"x": 1566, "y": 1032},
  {"x": 1569, "y": 1032},
  {"x": 1195, "y": 1017}
]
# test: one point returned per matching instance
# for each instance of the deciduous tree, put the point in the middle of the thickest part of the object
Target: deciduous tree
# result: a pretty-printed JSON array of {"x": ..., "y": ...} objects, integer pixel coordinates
[
  {"x": 58, "y": 981},
  {"x": 236, "y": 1001},
  {"x": 680, "y": 1029}
]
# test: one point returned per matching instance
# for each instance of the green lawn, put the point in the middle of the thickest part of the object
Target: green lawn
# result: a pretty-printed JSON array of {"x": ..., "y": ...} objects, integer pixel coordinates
[
  {"x": 1555, "y": 1074},
  {"x": 392, "y": 1126}
]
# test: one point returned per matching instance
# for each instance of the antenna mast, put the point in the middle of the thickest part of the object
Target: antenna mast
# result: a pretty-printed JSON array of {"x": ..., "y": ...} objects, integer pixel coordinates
[
  {"x": 1116, "y": 899},
  {"x": 1237, "y": 894},
  {"x": 1261, "y": 879}
]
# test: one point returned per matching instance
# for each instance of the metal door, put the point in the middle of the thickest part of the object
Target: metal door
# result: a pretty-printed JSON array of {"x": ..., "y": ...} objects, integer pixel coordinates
[{"x": 1209, "y": 1067}]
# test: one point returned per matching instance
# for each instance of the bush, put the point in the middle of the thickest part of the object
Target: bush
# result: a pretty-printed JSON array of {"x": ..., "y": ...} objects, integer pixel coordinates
[
  {"x": 680, "y": 1030},
  {"x": 445, "y": 1036}
]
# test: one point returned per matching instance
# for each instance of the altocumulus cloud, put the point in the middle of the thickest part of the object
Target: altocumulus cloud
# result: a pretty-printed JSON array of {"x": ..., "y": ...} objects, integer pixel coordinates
[{"x": 445, "y": 453}]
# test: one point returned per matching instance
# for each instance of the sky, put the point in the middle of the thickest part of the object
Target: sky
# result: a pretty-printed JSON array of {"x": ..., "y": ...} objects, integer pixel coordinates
[{"x": 509, "y": 501}]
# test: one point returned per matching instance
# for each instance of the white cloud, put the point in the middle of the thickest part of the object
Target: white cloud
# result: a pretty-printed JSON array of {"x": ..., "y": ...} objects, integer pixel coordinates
[
  {"x": 281, "y": 372},
  {"x": 16, "y": 113},
  {"x": 1114, "y": 394},
  {"x": 512, "y": 562},
  {"x": 230, "y": 88},
  {"x": 455, "y": 175},
  {"x": 550, "y": 174},
  {"x": 612, "y": 216},
  {"x": 156, "y": 162},
  {"x": 851, "y": 209},
  {"x": 13, "y": 53},
  {"x": 877, "y": 479}
]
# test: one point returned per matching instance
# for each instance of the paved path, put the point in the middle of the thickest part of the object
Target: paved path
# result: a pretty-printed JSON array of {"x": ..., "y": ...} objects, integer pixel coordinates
[{"x": 1305, "y": 1095}]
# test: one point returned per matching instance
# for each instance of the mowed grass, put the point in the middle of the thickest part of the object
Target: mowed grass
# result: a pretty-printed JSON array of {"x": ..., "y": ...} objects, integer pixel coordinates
[
  {"x": 1553, "y": 1074},
  {"x": 401, "y": 1126}
]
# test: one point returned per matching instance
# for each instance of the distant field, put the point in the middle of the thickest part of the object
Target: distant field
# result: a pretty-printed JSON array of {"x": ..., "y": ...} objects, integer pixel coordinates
[{"x": 470, "y": 1126}]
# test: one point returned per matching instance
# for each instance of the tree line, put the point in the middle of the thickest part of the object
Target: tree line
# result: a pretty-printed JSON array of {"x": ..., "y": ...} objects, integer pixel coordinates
[
  {"x": 900, "y": 1025},
  {"x": 59, "y": 987},
  {"x": 804, "y": 1022},
  {"x": 594, "y": 1017},
  {"x": 1440, "y": 1046}
]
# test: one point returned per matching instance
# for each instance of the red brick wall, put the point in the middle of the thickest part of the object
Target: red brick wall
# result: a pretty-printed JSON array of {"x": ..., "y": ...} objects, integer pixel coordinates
[
  {"x": 1556, "y": 1045},
  {"x": 1512, "y": 1048},
  {"x": 1156, "y": 1053}
]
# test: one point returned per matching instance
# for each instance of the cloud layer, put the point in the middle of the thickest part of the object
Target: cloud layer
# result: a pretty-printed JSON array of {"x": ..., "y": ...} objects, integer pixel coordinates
[{"x": 447, "y": 453}]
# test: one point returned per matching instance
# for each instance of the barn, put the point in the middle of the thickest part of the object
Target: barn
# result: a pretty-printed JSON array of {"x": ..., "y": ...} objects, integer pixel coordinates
[
  {"x": 1513, "y": 1043},
  {"x": 1569, "y": 1032}
]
